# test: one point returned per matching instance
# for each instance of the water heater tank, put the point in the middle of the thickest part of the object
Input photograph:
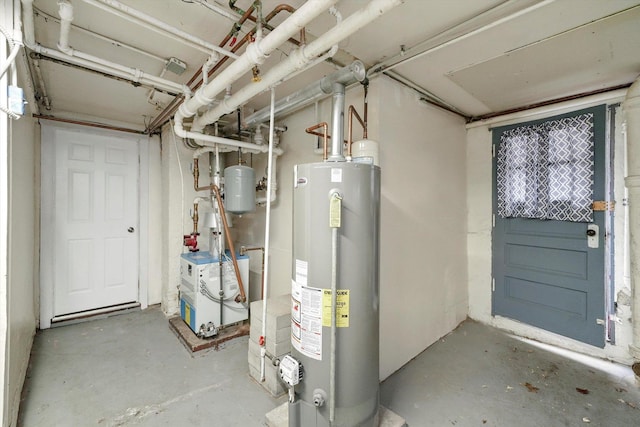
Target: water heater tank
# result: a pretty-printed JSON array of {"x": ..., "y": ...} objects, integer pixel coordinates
[
  {"x": 356, "y": 386},
  {"x": 239, "y": 189}
]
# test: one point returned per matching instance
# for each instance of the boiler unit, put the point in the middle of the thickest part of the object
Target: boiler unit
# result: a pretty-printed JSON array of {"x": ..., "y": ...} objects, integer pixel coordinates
[
  {"x": 333, "y": 369},
  {"x": 205, "y": 305}
]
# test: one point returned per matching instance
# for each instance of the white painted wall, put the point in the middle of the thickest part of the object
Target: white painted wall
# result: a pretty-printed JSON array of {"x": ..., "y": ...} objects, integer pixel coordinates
[
  {"x": 423, "y": 249},
  {"x": 19, "y": 157},
  {"x": 23, "y": 270},
  {"x": 154, "y": 241},
  {"x": 479, "y": 187}
]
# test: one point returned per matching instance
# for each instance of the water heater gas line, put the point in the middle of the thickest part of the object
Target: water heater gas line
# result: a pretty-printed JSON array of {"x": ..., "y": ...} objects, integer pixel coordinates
[
  {"x": 263, "y": 350},
  {"x": 335, "y": 221}
]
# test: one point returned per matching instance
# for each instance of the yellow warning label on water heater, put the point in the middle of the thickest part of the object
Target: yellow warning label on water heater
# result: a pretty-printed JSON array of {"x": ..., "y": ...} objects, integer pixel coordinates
[
  {"x": 342, "y": 308},
  {"x": 335, "y": 211}
]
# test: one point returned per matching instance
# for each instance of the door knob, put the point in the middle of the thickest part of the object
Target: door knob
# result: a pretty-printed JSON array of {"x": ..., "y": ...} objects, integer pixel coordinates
[
  {"x": 130, "y": 229},
  {"x": 591, "y": 232}
]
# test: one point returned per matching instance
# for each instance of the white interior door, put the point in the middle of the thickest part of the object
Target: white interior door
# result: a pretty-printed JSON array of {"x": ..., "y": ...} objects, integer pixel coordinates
[{"x": 93, "y": 220}]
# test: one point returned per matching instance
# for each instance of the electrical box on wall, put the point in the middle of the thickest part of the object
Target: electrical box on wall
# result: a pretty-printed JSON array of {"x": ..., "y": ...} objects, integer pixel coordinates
[{"x": 205, "y": 305}]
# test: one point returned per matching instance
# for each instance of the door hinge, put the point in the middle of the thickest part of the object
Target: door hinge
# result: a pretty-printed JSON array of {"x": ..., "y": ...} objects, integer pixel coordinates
[
  {"x": 493, "y": 220},
  {"x": 602, "y": 205},
  {"x": 493, "y": 284},
  {"x": 493, "y": 150}
]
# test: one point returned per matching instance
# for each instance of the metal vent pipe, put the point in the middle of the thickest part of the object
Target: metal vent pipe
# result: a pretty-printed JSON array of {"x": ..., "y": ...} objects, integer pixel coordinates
[
  {"x": 337, "y": 123},
  {"x": 352, "y": 73}
]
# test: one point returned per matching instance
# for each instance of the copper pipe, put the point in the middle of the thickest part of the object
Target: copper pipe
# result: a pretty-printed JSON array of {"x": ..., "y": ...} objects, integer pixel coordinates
[
  {"x": 325, "y": 148},
  {"x": 175, "y": 103},
  {"x": 243, "y": 250},
  {"x": 243, "y": 295},
  {"x": 195, "y": 219},
  {"x": 216, "y": 191},
  {"x": 90, "y": 124},
  {"x": 545, "y": 103},
  {"x": 353, "y": 112}
]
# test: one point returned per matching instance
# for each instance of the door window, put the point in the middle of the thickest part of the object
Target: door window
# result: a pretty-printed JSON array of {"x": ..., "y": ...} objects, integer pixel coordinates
[{"x": 545, "y": 170}]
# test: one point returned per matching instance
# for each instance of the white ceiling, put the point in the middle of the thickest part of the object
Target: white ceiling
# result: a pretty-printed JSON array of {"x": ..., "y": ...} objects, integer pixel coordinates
[{"x": 478, "y": 57}]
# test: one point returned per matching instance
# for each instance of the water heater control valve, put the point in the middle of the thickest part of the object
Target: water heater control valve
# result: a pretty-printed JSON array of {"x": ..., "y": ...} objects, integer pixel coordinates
[{"x": 290, "y": 371}]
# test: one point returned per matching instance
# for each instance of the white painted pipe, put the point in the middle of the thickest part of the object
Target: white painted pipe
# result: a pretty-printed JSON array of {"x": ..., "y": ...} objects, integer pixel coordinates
[
  {"x": 297, "y": 59},
  {"x": 219, "y": 10},
  {"x": 211, "y": 141},
  {"x": 65, "y": 10},
  {"x": 9, "y": 60},
  {"x": 631, "y": 107},
  {"x": 94, "y": 63},
  {"x": 27, "y": 23},
  {"x": 266, "y": 234},
  {"x": 133, "y": 74},
  {"x": 15, "y": 43},
  {"x": 158, "y": 26},
  {"x": 255, "y": 54},
  {"x": 109, "y": 40}
]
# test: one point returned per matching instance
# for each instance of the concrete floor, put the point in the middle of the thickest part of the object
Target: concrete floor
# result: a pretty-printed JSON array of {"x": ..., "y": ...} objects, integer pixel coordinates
[{"x": 131, "y": 370}]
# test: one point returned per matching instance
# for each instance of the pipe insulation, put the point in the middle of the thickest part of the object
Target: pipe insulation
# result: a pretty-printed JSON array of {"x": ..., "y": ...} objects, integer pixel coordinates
[
  {"x": 27, "y": 23},
  {"x": 65, "y": 10},
  {"x": 297, "y": 59},
  {"x": 255, "y": 54},
  {"x": 352, "y": 73},
  {"x": 631, "y": 107}
]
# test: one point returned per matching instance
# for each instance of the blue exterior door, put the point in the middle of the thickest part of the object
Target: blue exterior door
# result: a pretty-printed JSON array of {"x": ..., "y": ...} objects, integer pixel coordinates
[{"x": 545, "y": 272}]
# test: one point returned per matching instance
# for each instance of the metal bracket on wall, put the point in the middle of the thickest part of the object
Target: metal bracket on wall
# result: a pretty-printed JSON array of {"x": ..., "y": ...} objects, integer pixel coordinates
[{"x": 601, "y": 205}]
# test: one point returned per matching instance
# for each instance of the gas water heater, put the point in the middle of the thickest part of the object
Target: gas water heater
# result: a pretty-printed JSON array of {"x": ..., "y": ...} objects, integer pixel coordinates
[{"x": 333, "y": 368}]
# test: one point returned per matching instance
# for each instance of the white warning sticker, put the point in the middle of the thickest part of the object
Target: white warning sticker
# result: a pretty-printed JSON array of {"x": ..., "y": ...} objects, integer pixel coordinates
[{"x": 306, "y": 322}]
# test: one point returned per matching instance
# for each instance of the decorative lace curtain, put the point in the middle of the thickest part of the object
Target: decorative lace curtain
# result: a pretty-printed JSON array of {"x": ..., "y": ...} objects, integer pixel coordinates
[{"x": 545, "y": 171}]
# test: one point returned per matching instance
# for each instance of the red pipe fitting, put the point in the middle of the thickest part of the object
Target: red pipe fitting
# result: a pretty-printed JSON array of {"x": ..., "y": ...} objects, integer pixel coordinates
[{"x": 191, "y": 241}]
